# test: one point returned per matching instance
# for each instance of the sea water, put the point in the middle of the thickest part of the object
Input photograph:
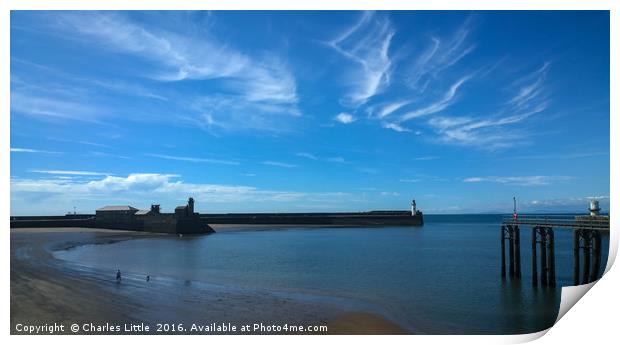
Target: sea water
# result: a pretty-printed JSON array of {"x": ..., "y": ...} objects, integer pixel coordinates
[{"x": 443, "y": 277}]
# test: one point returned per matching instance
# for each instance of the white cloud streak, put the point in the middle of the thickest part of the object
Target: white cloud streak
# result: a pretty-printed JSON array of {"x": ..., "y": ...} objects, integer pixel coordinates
[
  {"x": 306, "y": 155},
  {"x": 193, "y": 159},
  {"x": 25, "y": 150},
  {"x": 491, "y": 132},
  {"x": 439, "y": 105},
  {"x": 480, "y": 132},
  {"x": 254, "y": 88},
  {"x": 409, "y": 180},
  {"x": 391, "y": 107},
  {"x": 279, "y": 164},
  {"x": 540, "y": 180},
  {"x": 395, "y": 126},
  {"x": 184, "y": 57},
  {"x": 531, "y": 88},
  {"x": 49, "y": 108},
  {"x": 367, "y": 43},
  {"x": 70, "y": 172},
  {"x": 315, "y": 158},
  {"x": 441, "y": 54}
]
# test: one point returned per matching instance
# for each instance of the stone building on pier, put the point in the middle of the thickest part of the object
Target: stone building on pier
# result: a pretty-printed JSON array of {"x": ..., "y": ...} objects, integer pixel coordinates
[{"x": 184, "y": 220}]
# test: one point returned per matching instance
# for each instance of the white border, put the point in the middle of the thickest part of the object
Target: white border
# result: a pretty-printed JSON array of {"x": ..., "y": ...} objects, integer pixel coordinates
[{"x": 590, "y": 321}]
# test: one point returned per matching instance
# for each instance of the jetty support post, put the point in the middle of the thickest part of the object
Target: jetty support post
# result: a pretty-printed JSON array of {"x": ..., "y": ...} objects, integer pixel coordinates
[
  {"x": 534, "y": 260},
  {"x": 503, "y": 240},
  {"x": 517, "y": 239},
  {"x": 511, "y": 251},
  {"x": 596, "y": 255},
  {"x": 543, "y": 256},
  {"x": 586, "y": 256},
  {"x": 576, "y": 263},
  {"x": 551, "y": 260}
]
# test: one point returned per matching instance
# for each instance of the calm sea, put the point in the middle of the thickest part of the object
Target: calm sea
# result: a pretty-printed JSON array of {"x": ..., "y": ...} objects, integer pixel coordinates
[{"x": 443, "y": 277}]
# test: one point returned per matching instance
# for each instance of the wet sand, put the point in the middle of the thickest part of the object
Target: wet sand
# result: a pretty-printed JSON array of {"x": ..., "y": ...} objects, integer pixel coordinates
[{"x": 47, "y": 290}]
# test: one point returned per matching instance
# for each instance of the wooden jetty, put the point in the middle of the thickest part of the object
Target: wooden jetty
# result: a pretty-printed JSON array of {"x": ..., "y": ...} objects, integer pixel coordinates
[{"x": 587, "y": 232}]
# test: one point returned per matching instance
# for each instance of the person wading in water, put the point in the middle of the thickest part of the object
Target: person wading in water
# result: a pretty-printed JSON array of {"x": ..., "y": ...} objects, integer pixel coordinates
[{"x": 118, "y": 275}]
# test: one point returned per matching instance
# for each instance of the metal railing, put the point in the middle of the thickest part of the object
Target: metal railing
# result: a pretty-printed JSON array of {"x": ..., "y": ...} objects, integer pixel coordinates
[{"x": 600, "y": 223}]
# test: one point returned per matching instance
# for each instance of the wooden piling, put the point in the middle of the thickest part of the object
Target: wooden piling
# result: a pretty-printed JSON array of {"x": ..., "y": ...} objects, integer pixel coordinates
[
  {"x": 517, "y": 239},
  {"x": 576, "y": 240},
  {"x": 586, "y": 258},
  {"x": 502, "y": 239},
  {"x": 596, "y": 248},
  {"x": 511, "y": 251},
  {"x": 551, "y": 257},
  {"x": 534, "y": 260},
  {"x": 543, "y": 257}
]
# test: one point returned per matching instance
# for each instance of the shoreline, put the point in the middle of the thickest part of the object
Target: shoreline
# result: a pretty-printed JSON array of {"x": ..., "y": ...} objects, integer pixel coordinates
[{"x": 47, "y": 290}]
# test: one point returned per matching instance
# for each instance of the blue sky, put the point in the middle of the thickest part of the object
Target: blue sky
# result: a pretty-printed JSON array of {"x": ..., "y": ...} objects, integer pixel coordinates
[{"x": 309, "y": 111}]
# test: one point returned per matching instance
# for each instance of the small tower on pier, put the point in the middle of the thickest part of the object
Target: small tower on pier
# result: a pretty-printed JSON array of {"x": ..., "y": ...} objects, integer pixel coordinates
[
  {"x": 190, "y": 207},
  {"x": 594, "y": 208},
  {"x": 414, "y": 209}
]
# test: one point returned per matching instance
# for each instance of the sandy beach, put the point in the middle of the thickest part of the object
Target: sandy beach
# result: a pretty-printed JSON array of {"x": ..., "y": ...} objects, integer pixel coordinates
[{"x": 45, "y": 290}]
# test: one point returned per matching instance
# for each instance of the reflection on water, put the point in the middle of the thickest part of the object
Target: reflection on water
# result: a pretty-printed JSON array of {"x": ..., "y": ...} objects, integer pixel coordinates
[{"x": 441, "y": 278}]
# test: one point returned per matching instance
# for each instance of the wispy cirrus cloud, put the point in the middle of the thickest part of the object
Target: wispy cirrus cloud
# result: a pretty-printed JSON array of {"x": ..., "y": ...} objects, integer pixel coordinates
[
  {"x": 231, "y": 113},
  {"x": 106, "y": 154},
  {"x": 366, "y": 43},
  {"x": 26, "y": 150},
  {"x": 487, "y": 133},
  {"x": 251, "y": 89},
  {"x": 306, "y": 155},
  {"x": 51, "y": 108},
  {"x": 438, "y": 105},
  {"x": 440, "y": 54},
  {"x": 313, "y": 157},
  {"x": 178, "y": 56},
  {"x": 492, "y": 132},
  {"x": 395, "y": 126},
  {"x": 70, "y": 85},
  {"x": 193, "y": 159},
  {"x": 280, "y": 164},
  {"x": 125, "y": 88},
  {"x": 409, "y": 180},
  {"x": 539, "y": 180},
  {"x": 531, "y": 88},
  {"x": 69, "y": 172},
  {"x": 391, "y": 107},
  {"x": 81, "y": 142}
]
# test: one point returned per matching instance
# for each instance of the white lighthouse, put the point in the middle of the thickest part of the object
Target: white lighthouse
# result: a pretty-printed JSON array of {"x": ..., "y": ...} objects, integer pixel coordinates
[
  {"x": 594, "y": 208},
  {"x": 413, "y": 208}
]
